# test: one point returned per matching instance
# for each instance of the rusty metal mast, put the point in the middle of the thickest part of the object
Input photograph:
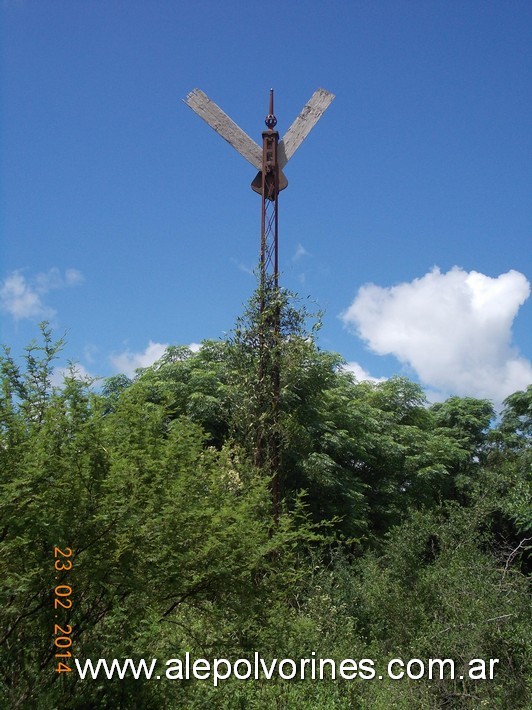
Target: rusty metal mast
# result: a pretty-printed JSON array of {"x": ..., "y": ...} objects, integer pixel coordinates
[
  {"x": 269, "y": 181},
  {"x": 268, "y": 439}
]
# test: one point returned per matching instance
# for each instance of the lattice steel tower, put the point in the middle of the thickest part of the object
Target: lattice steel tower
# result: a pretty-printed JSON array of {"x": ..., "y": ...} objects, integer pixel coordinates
[{"x": 268, "y": 183}]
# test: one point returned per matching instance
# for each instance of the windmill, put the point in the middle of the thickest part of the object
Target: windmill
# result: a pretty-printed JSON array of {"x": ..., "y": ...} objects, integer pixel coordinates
[
  {"x": 268, "y": 183},
  {"x": 269, "y": 161}
]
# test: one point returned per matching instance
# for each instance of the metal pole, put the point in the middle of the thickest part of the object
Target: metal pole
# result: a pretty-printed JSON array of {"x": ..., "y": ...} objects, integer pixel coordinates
[{"x": 268, "y": 439}]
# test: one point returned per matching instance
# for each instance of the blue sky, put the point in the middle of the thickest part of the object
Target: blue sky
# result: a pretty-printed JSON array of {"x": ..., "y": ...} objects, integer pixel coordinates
[{"x": 127, "y": 222}]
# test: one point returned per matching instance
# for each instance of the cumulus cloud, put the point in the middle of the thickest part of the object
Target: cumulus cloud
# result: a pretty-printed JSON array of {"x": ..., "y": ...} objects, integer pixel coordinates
[
  {"x": 24, "y": 298},
  {"x": 78, "y": 370},
  {"x": 21, "y": 300},
  {"x": 360, "y": 373},
  {"x": 128, "y": 362},
  {"x": 453, "y": 329}
]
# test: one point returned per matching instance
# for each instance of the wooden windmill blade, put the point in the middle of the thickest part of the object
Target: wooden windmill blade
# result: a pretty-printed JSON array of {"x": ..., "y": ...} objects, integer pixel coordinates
[
  {"x": 304, "y": 123},
  {"x": 224, "y": 126}
]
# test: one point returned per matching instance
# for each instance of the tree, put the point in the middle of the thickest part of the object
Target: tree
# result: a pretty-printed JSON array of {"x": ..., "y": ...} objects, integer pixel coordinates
[{"x": 403, "y": 528}]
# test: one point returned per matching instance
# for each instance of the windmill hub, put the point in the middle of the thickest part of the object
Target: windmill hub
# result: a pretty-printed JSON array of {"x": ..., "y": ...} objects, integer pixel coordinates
[
  {"x": 270, "y": 121},
  {"x": 271, "y": 158}
]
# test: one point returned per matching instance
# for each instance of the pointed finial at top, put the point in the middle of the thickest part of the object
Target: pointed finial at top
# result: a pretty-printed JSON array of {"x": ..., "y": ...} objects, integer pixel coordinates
[{"x": 270, "y": 120}]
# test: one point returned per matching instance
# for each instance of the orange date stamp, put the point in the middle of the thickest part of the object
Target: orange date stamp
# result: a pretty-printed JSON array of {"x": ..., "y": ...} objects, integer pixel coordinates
[{"x": 62, "y": 600}]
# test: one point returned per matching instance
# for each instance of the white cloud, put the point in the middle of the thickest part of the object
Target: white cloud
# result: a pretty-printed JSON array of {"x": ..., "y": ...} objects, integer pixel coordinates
[
  {"x": 23, "y": 298},
  {"x": 127, "y": 361},
  {"x": 453, "y": 329},
  {"x": 79, "y": 371},
  {"x": 300, "y": 252},
  {"x": 360, "y": 373}
]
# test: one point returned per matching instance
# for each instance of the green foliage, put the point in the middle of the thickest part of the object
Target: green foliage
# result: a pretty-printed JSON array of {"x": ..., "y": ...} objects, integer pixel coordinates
[
  {"x": 441, "y": 591},
  {"x": 404, "y": 529}
]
